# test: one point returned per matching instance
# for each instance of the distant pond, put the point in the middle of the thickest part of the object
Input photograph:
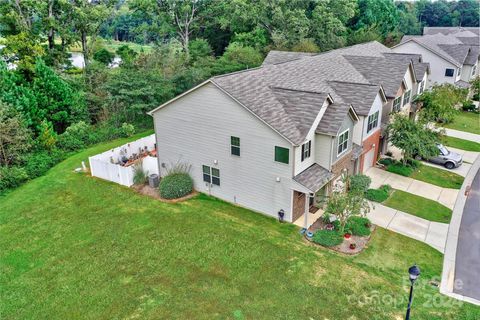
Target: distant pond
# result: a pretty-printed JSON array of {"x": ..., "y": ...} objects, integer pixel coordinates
[{"x": 79, "y": 62}]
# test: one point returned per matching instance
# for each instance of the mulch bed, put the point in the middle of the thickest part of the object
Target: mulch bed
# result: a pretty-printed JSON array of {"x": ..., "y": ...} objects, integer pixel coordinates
[
  {"x": 360, "y": 242},
  {"x": 153, "y": 193}
]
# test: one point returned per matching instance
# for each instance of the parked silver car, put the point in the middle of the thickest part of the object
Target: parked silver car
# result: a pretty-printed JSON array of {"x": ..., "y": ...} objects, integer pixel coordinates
[{"x": 447, "y": 158}]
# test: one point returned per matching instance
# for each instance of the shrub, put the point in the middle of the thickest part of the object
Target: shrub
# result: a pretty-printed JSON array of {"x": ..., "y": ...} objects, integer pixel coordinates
[
  {"x": 11, "y": 177},
  {"x": 378, "y": 195},
  {"x": 468, "y": 106},
  {"x": 400, "y": 169},
  {"x": 476, "y": 97},
  {"x": 175, "y": 186},
  {"x": 104, "y": 56},
  {"x": 389, "y": 153},
  {"x": 75, "y": 137},
  {"x": 139, "y": 176},
  {"x": 386, "y": 161},
  {"x": 38, "y": 163},
  {"x": 127, "y": 130},
  {"x": 327, "y": 238},
  {"x": 358, "y": 226},
  {"x": 360, "y": 182}
]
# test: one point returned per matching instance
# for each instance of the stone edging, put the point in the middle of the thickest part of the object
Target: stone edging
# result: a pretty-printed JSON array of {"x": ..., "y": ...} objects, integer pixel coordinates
[{"x": 448, "y": 271}]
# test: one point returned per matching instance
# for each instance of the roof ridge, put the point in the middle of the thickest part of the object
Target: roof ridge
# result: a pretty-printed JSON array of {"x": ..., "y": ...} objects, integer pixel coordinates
[
  {"x": 298, "y": 90},
  {"x": 356, "y": 83},
  {"x": 237, "y": 72}
]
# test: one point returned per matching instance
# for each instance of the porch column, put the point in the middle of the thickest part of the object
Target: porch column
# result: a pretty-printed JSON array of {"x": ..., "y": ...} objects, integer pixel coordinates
[{"x": 307, "y": 195}]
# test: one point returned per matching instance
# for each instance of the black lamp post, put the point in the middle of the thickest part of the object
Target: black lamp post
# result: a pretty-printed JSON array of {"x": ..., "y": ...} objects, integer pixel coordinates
[{"x": 414, "y": 272}]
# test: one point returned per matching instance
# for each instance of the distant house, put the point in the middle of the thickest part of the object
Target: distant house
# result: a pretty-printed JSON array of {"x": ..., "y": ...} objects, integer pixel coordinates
[
  {"x": 279, "y": 137},
  {"x": 452, "y": 52}
]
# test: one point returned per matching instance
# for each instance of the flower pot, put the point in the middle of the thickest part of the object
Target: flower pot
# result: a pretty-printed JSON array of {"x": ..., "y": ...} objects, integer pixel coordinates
[
  {"x": 353, "y": 246},
  {"x": 347, "y": 235},
  {"x": 329, "y": 226}
]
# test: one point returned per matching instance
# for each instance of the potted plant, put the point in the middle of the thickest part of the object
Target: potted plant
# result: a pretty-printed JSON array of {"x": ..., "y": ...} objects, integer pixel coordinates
[
  {"x": 347, "y": 235},
  {"x": 353, "y": 246},
  {"x": 329, "y": 226}
]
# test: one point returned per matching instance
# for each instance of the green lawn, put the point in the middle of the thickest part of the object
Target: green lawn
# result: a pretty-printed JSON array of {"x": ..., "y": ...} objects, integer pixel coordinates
[
  {"x": 438, "y": 177},
  {"x": 76, "y": 247},
  {"x": 461, "y": 144},
  {"x": 418, "y": 206},
  {"x": 466, "y": 121}
]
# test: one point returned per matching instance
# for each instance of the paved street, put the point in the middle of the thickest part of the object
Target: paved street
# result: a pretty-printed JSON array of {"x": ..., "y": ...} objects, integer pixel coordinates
[{"x": 468, "y": 250}]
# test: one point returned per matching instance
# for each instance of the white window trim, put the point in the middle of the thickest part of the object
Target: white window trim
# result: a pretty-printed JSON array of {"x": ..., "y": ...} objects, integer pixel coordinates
[
  {"x": 306, "y": 147},
  {"x": 377, "y": 113},
  {"x": 400, "y": 103},
  {"x": 403, "y": 103},
  {"x": 338, "y": 142}
]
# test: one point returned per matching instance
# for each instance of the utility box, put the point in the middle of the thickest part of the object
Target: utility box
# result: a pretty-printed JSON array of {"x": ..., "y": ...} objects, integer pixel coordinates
[{"x": 153, "y": 180}]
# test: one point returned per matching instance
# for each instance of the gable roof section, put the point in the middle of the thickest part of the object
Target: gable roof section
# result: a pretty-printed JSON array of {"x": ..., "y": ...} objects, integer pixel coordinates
[
  {"x": 449, "y": 30},
  {"x": 360, "y": 95},
  {"x": 334, "y": 116},
  {"x": 314, "y": 177},
  {"x": 419, "y": 67}
]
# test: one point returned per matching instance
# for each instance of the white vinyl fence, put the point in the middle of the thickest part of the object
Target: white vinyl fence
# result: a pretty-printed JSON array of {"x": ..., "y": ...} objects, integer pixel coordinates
[{"x": 107, "y": 165}]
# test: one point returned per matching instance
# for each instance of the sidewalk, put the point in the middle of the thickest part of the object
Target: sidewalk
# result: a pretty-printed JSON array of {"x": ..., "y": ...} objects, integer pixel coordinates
[
  {"x": 444, "y": 196},
  {"x": 462, "y": 135},
  {"x": 432, "y": 233}
]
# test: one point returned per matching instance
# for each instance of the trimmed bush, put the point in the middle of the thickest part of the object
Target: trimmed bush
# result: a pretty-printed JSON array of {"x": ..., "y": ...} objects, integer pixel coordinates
[
  {"x": 327, "y": 238},
  {"x": 386, "y": 161},
  {"x": 360, "y": 182},
  {"x": 378, "y": 195},
  {"x": 127, "y": 130},
  {"x": 358, "y": 226},
  {"x": 400, "y": 169},
  {"x": 175, "y": 186}
]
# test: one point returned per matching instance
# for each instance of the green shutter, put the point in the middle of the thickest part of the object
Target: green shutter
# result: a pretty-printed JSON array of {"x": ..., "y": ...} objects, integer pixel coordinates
[{"x": 282, "y": 154}]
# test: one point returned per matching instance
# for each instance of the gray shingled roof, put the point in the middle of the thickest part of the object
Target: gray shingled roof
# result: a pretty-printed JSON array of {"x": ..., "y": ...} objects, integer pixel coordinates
[
  {"x": 472, "y": 56},
  {"x": 276, "y": 57},
  {"x": 360, "y": 95},
  {"x": 387, "y": 71},
  {"x": 418, "y": 66},
  {"x": 333, "y": 118},
  {"x": 449, "y": 30},
  {"x": 462, "y": 84},
  {"x": 314, "y": 177},
  {"x": 456, "y": 51}
]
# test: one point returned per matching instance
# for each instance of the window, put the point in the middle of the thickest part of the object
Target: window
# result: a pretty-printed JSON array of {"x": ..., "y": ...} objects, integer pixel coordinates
[
  {"x": 449, "y": 72},
  {"x": 281, "y": 154},
  {"x": 396, "y": 104},
  {"x": 372, "y": 121},
  {"x": 211, "y": 175},
  {"x": 342, "y": 142},
  {"x": 306, "y": 147},
  {"x": 474, "y": 69},
  {"x": 420, "y": 91},
  {"x": 406, "y": 97},
  {"x": 235, "y": 145}
]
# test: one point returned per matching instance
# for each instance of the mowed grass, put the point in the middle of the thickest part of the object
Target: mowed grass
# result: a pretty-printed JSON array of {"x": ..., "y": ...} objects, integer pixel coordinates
[
  {"x": 438, "y": 177},
  {"x": 76, "y": 247},
  {"x": 466, "y": 145},
  {"x": 418, "y": 206},
  {"x": 466, "y": 121}
]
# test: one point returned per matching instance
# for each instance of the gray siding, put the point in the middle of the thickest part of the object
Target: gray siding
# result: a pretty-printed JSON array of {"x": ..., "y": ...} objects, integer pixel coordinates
[
  {"x": 323, "y": 150},
  {"x": 348, "y": 123},
  {"x": 196, "y": 129}
]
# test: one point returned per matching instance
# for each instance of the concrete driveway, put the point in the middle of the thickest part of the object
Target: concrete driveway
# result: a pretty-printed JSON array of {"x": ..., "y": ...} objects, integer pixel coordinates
[
  {"x": 469, "y": 157},
  {"x": 444, "y": 196}
]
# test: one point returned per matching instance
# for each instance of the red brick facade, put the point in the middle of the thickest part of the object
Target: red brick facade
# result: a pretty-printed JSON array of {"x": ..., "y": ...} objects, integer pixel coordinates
[{"x": 373, "y": 139}]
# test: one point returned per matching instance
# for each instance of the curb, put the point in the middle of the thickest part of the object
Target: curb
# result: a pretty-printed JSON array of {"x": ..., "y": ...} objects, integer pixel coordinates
[{"x": 448, "y": 271}]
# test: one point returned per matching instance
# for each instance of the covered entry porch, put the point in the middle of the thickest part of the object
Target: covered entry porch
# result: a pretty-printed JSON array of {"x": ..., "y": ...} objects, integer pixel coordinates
[{"x": 313, "y": 184}]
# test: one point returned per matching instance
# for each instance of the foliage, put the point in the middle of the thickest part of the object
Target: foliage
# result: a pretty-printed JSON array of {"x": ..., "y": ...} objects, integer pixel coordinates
[
  {"x": 328, "y": 238},
  {"x": 15, "y": 138},
  {"x": 22, "y": 49},
  {"x": 439, "y": 103},
  {"x": 139, "y": 175},
  {"x": 378, "y": 195},
  {"x": 358, "y": 226},
  {"x": 174, "y": 186},
  {"x": 475, "y": 87},
  {"x": 127, "y": 130},
  {"x": 11, "y": 177},
  {"x": 359, "y": 182},
  {"x": 400, "y": 168},
  {"x": 412, "y": 137},
  {"x": 306, "y": 45},
  {"x": 241, "y": 56},
  {"x": 104, "y": 56},
  {"x": 347, "y": 204},
  {"x": 199, "y": 48},
  {"x": 47, "y": 137},
  {"x": 127, "y": 55},
  {"x": 75, "y": 137},
  {"x": 468, "y": 106},
  {"x": 38, "y": 162}
]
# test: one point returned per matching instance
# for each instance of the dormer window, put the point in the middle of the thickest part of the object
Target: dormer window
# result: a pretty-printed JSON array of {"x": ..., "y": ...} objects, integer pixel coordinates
[
  {"x": 342, "y": 142},
  {"x": 306, "y": 150}
]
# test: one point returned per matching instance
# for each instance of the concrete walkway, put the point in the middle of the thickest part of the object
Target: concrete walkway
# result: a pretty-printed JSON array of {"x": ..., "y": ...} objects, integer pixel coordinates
[
  {"x": 462, "y": 135},
  {"x": 444, "y": 196},
  {"x": 450, "y": 284},
  {"x": 432, "y": 233}
]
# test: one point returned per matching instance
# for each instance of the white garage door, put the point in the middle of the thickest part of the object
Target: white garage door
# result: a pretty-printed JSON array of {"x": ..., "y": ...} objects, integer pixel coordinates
[{"x": 368, "y": 160}]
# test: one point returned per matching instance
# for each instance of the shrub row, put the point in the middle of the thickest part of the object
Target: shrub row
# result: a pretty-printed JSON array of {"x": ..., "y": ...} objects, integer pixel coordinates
[
  {"x": 378, "y": 195},
  {"x": 398, "y": 167}
]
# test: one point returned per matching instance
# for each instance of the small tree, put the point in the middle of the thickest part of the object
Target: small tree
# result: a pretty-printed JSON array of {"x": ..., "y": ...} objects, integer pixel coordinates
[
  {"x": 104, "y": 56},
  {"x": 440, "y": 103},
  {"x": 475, "y": 88},
  {"x": 15, "y": 138},
  {"x": 347, "y": 204},
  {"x": 413, "y": 138}
]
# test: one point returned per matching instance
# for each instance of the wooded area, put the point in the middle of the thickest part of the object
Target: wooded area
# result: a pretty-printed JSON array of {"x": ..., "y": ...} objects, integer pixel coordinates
[{"x": 49, "y": 107}]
